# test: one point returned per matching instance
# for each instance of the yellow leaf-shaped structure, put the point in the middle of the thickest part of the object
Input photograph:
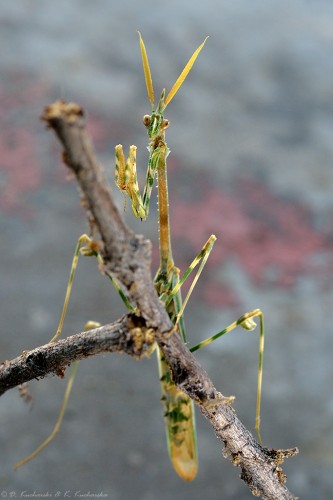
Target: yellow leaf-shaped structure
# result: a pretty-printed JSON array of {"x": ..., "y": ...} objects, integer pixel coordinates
[
  {"x": 180, "y": 80},
  {"x": 146, "y": 70}
]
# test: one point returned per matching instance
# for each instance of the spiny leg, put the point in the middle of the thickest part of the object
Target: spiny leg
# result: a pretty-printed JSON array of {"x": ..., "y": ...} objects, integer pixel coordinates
[
  {"x": 248, "y": 323},
  {"x": 87, "y": 247},
  {"x": 202, "y": 256},
  {"x": 59, "y": 420},
  {"x": 246, "y": 320},
  {"x": 83, "y": 240},
  {"x": 89, "y": 326},
  {"x": 126, "y": 177}
]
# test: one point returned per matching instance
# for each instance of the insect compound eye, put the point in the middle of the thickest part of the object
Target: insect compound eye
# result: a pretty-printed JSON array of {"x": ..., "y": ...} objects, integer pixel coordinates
[
  {"x": 146, "y": 120},
  {"x": 165, "y": 124}
]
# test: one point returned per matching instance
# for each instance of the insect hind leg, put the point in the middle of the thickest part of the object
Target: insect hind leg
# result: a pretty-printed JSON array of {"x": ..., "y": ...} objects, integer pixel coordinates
[{"x": 247, "y": 322}]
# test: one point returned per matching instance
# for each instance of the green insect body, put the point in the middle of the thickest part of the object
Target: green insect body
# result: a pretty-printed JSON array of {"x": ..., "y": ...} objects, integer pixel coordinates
[{"x": 178, "y": 407}]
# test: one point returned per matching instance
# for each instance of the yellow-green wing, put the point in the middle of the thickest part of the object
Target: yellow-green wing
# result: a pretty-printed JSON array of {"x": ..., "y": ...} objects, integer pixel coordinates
[
  {"x": 179, "y": 424},
  {"x": 178, "y": 407}
]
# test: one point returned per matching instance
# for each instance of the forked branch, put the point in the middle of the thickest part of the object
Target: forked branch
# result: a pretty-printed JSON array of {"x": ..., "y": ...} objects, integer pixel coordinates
[
  {"x": 126, "y": 256},
  {"x": 127, "y": 335}
]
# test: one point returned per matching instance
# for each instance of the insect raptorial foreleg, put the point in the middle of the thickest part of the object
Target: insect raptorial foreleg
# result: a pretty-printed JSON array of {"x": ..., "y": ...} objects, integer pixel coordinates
[
  {"x": 127, "y": 181},
  {"x": 248, "y": 323}
]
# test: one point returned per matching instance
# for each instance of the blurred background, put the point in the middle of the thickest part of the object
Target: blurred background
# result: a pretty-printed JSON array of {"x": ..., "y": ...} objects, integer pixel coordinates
[{"x": 251, "y": 161}]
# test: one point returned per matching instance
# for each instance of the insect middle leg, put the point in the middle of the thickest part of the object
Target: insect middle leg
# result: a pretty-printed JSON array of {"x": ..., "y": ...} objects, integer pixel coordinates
[
  {"x": 86, "y": 246},
  {"x": 246, "y": 320}
]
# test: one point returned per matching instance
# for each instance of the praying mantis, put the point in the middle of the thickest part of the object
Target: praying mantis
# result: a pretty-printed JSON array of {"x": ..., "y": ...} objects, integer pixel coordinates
[{"x": 178, "y": 407}]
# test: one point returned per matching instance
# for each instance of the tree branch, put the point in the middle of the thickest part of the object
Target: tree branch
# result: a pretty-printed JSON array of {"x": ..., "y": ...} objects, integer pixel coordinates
[
  {"x": 126, "y": 256},
  {"x": 126, "y": 335}
]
